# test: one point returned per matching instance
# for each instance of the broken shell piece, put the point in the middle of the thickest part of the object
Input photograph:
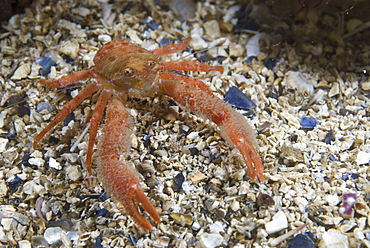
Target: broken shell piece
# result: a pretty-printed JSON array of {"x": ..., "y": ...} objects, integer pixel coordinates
[
  {"x": 182, "y": 219},
  {"x": 198, "y": 177},
  {"x": 53, "y": 234},
  {"x": 212, "y": 29},
  {"x": 22, "y": 72},
  {"x": 308, "y": 123},
  {"x": 211, "y": 240},
  {"x": 297, "y": 81},
  {"x": 363, "y": 157},
  {"x": 332, "y": 238},
  {"x": 253, "y": 47},
  {"x": 348, "y": 203},
  {"x": 70, "y": 48},
  {"x": 278, "y": 223},
  {"x": 237, "y": 98},
  {"x": 46, "y": 63},
  {"x": 361, "y": 208}
]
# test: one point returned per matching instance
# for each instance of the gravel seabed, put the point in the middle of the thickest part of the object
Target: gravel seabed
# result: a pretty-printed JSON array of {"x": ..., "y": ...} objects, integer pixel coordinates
[{"x": 323, "y": 53}]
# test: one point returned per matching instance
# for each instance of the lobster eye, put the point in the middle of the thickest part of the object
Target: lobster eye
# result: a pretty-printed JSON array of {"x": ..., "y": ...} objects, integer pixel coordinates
[
  {"x": 128, "y": 72},
  {"x": 151, "y": 63}
]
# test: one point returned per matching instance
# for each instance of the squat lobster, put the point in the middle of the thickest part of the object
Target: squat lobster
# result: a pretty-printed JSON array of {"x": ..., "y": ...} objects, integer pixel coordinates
[{"x": 123, "y": 69}]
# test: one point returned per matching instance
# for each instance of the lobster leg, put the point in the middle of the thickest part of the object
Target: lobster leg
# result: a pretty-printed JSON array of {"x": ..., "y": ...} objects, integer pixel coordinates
[
  {"x": 191, "y": 66},
  {"x": 70, "y": 79},
  {"x": 94, "y": 122},
  {"x": 173, "y": 48},
  {"x": 68, "y": 108},
  {"x": 115, "y": 174},
  {"x": 192, "y": 81},
  {"x": 232, "y": 124}
]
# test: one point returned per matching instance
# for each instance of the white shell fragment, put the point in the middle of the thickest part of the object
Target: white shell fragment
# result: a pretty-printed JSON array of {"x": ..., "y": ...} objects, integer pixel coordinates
[
  {"x": 104, "y": 38},
  {"x": 70, "y": 48},
  {"x": 22, "y": 72},
  {"x": 3, "y": 144},
  {"x": 53, "y": 234},
  {"x": 296, "y": 80},
  {"x": 212, "y": 29},
  {"x": 54, "y": 164},
  {"x": 363, "y": 157},
  {"x": 334, "y": 239},
  {"x": 253, "y": 46},
  {"x": 279, "y": 222},
  {"x": 210, "y": 240}
]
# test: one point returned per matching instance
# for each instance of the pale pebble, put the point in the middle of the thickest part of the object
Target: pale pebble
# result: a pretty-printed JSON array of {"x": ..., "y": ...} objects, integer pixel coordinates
[
  {"x": 210, "y": 240},
  {"x": 279, "y": 222}
]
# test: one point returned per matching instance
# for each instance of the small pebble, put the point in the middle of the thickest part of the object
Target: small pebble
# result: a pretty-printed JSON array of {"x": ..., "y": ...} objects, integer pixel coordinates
[
  {"x": 253, "y": 45},
  {"x": 329, "y": 137},
  {"x": 249, "y": 60},
  {"x": 198, "y": 177},
  {"x": 247, "y": 26},
  {"x": 193, "y": 151},
  {"x": 237, "y": 98},
  {"x": 265, "y": 200},
  {"x": 216, "y": 227},
  {"x": 64, "y": 224},
  {"x": 39, "y": 241},
  {"x": 192, "y": 135},
  {"x": 303, "y": 240},
  {"x": 104, "y": 38},
  {"x": 53, "y": 234},
  {"x": 99, "y": 241},
  {"x": 270, "y": 63},
  {"x": 333, "y": 238},
  {"x": 153, "y": 25},
  {"x": 178, "y": 180},
  {"x": 348, "y": 203},
  {"x": 308, "y": 123},
  {"x": 21, "y": 72},
  {"x": 68, "y": 118},
  {"x": 103, "y": 197},
  {"x": 211, "y": 240},
  {"x": 14, "y": 184},
  {"x": 164, "y": 42},
  {"x": 46, "y": 64},
  {"x": 363, "y": 157},
  {"x": 279, "y": 222},
  {"x": 102, "y": 212}
]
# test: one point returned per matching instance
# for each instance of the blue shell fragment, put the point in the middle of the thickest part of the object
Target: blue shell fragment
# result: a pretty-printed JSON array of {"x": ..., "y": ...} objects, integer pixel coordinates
[
  {"x": 178, "y": 181},
  {"x": 270, "y": 63},
  {"x": 46, "y": 64},
  {"x": 249, "y": 60},
  {"x": 102, "y": 212},
  {"x": 164, "y": 42},
  {"x": 308, "y": 122},
  {"x": 350, "y": 176},
  {"x": 306, "y": 240},
  {"x": 14, "y": 184},
  {"x": 153, "y": 25},
  {"x": 237, "y": 98},
  {"x": 103, "y": 197}
]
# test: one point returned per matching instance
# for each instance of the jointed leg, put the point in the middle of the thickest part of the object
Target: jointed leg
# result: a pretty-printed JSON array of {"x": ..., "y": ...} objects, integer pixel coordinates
[
  {"x": 68, "y": 108},
  {"x": 173, "y": 48},
  {"x": 69, "y": 79},
  {"x": 192, "y": 81},
  {"x": 94, "y": 122},
  {"x": 191, "y": 66},
  {"x": 232, "y": 124}
]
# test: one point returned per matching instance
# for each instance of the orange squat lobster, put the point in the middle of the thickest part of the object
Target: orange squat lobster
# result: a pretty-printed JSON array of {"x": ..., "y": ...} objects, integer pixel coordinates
[{"x": 123, "y": 69}]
